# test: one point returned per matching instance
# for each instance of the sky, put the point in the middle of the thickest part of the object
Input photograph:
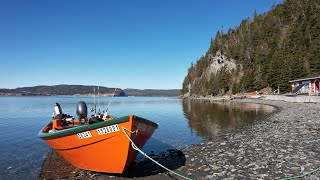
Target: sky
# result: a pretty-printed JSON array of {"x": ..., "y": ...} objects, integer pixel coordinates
[{"x": 141, "y": 44}]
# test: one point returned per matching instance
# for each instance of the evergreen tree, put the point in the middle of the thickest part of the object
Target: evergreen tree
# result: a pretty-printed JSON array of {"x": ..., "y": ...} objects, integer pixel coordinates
[{"x": 269, "y": 50}]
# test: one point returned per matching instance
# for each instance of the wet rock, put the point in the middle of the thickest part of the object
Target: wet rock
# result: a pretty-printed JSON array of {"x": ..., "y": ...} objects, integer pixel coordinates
[{"x": 207, "y": 169}]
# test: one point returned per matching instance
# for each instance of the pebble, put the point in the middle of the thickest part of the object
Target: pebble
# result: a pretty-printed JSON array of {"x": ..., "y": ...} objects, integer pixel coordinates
[{"x": 207, "y": 169}]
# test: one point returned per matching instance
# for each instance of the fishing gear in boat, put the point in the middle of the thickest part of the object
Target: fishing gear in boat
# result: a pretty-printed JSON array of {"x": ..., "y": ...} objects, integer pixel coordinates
[
  {"x": 114, "y": 92},
  {"x": 105, "y": 114},
  {"x": 94, "y": 109},
  {"x": 99, "y": 101}
]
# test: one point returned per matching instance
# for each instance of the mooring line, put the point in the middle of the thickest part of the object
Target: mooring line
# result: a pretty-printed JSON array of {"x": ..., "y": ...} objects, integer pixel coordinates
[
  {"x": 134, "y": 146},
  {"x": 307, "y": 173}
]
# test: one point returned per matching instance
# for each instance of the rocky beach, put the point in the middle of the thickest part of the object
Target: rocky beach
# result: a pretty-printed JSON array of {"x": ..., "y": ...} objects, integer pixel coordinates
[{"x": 283, "y": 145}]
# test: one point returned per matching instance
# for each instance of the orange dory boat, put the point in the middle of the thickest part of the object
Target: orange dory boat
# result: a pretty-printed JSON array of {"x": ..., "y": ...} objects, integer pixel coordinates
[{"x": 99, "y": 143}]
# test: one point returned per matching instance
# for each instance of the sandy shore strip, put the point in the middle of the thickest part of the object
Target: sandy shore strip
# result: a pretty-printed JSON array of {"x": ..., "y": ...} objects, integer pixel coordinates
[{"x": 283, "y": 144}]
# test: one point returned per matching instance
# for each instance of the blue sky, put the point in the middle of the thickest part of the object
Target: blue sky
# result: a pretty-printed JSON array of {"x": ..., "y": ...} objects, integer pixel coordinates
[{"x": 144, "y": 44}]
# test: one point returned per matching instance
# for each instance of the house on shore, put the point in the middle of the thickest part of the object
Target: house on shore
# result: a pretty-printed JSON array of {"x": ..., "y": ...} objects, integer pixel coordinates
[{"x": 307, "y": 85}]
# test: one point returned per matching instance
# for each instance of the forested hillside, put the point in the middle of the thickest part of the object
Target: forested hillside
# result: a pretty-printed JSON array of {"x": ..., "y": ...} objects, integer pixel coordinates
[
  {"x": 268, "y": 51},
  {"x": 81, "y": 90},
  {"x": 61, "y": 90}
]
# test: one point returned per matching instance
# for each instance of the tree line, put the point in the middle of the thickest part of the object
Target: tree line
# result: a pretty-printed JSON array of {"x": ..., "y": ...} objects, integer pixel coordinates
[{"x": 269, "y": 50}]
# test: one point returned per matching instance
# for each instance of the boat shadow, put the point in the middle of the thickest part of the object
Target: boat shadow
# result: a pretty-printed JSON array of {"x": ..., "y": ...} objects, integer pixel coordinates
[
  {"x": 164, "y": 154},
  {"x": 172, "y": 159}
]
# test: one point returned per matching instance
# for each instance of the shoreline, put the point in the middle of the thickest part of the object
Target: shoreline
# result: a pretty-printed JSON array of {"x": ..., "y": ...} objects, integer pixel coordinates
[{"x": 283, "y": 144}]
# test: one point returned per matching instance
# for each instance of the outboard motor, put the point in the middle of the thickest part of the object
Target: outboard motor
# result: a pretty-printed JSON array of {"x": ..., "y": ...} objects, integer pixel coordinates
[
  {"x": 82, "y": 110},
  {"x": 57, "y": 109},
  {"x": 57, "y": 113}
]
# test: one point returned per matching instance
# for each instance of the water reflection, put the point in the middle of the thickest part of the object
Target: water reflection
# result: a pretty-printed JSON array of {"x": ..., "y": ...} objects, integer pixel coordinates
[{"x": 210, "y": 118}]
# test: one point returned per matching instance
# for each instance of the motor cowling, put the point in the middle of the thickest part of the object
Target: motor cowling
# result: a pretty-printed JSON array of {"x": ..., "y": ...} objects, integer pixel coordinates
[
  {"x": 57, "y": 109},
  {"x": 82, "y": 110},
  {"x": 57, "y": 113}
]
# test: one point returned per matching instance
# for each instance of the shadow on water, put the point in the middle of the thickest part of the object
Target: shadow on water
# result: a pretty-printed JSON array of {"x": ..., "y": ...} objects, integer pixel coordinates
[{"x": 211, "y": 118}]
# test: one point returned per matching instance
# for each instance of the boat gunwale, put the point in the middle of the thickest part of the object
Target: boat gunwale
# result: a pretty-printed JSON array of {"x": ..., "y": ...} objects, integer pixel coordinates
[{"x": 74, "y": 130}]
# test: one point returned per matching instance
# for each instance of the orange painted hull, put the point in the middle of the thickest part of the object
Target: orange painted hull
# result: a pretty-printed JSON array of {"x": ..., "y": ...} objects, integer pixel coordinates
[{"x": 104, "y": 147}]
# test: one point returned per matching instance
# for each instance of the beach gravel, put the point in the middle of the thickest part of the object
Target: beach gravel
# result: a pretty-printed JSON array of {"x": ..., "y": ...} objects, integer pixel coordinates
[{"x": 282, "y": 145}]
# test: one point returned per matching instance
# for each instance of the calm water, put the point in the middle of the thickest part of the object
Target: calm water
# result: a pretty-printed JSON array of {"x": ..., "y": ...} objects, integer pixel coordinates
[{"x": 181, "y": 123}]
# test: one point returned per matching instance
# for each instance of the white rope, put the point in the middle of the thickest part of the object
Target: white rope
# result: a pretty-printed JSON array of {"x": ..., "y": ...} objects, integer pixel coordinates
[{"x": 134, "y": 146}]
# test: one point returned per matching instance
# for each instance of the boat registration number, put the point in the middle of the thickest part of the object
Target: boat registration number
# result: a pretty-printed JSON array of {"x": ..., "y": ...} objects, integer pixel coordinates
[
  {"x": 84, "y": 135},
  {"x": 108, "y": 129}
]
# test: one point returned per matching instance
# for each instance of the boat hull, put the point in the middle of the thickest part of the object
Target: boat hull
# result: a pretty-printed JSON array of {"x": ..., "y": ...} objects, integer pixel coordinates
[{"x": 103, "y": 146}]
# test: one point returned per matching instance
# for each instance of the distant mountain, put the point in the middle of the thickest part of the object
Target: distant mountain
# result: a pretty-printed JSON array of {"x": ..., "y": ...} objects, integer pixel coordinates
[
  {"x": 80, "y": 90},
  {"x": 60, "y": 90},
  {"x": 152, "y": 92}
]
